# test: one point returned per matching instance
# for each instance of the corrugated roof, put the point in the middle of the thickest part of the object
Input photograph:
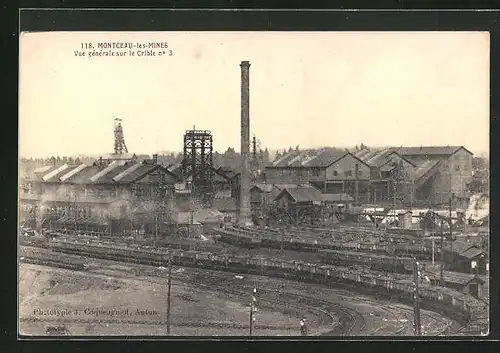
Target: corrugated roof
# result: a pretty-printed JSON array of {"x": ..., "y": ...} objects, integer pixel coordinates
[
  {"x": 429, "y": 150},
  {"x": 303, "y": 194},
  {"x": 375, "y": 157},
  {"x": 104, "y": 171},
  {"x": 128, "y": 170},
  {"x": 74, "y": 171},
  {"x": 54, "y": 172},
  {"x": 283, "y": 160},
  {"x": 137, "y": 173},
  {"x": 107, "y": 178},
  {"x": 83, "y": 177},
  {"x": 326, "y": 158},
  {"x": 55, "y": 176}
]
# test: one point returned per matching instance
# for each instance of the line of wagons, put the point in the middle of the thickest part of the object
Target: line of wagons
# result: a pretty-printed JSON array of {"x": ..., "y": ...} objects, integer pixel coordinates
[
  {"x": 76, "y": 263},
  {"x": 456, "y": 302},
  {"x": 267, "y": 239}
]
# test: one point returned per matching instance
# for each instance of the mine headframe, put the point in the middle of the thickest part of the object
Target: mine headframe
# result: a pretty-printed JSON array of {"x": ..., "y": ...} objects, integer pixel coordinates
[{"x": 197, "y": 162}]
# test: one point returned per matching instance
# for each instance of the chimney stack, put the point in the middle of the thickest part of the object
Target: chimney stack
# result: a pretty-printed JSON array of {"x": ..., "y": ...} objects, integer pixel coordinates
[
  {"x": 155, "y": 159},
  {"x": 245, "y": 212}
]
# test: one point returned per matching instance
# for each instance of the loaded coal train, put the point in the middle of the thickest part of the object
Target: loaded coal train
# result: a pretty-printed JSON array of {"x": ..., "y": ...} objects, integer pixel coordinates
[
  {"x": 372, "y": 261},
  {"x": 454, "y": 304},
  {"x": 257, "y": 238}
]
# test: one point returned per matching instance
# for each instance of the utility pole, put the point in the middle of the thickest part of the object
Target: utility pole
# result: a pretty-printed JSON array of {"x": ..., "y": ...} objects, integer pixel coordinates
[
  {"x": 442, "y": 254},
  {"x": 252, "y": 303},
  {"x": 169, "y": 286},
  {"x": 416, "y": 302},
  {"x": 433, "y": 247},
  {"x": 76, "y": 211},
  {"x": 451, "y": 233}
]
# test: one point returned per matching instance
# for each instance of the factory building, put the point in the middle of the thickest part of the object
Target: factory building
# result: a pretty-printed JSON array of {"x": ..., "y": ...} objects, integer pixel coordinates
[
  {"x": 402, "y": 176},
  {"x": 108, "y": 197},
  {"x": 440, "y": 172},
  {"x": 330, "y": 170}
]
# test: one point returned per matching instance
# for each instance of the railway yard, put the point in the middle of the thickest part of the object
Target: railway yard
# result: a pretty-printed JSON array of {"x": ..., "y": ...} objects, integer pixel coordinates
[{"x": 364, "y": 292}]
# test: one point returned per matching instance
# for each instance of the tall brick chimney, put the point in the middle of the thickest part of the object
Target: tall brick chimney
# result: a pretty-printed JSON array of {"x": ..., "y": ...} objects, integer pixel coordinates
[{"x": 245, "y": 212}]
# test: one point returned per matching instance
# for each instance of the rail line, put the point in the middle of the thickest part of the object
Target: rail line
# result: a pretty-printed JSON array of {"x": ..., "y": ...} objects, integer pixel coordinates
[
  {"x": 89, "y": 251},
  {"x": 351, "y": 322}
]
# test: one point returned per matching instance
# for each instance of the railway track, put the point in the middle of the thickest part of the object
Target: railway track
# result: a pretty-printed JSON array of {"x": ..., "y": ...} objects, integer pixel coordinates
[{"x": 351, "y": 321}]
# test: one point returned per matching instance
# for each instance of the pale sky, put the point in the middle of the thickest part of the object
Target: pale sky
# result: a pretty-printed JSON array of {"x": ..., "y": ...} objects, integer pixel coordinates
[{"x": 306, "y": 88}]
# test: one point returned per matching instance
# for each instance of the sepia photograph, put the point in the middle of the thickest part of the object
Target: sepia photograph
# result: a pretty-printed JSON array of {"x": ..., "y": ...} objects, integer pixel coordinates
[{"x": 254, "y": 184}]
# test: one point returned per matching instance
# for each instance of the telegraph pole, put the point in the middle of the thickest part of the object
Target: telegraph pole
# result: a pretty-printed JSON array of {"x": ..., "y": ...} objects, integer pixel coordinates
[
  {"x": 169, "y": 286},
  {"x": 416, "y": 303},
  {"x": 442, "y": 254},
  {"x": 76, "y": 211}
]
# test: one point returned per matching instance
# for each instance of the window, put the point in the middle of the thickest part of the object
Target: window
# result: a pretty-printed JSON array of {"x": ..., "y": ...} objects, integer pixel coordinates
[
  {"x": 457, "y": 168},
  {"x": 335, "y": 173},
  {"x": 360, "y": 173}
]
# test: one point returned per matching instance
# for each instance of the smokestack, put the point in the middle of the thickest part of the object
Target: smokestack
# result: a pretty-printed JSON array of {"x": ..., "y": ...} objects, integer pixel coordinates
[
  {"x": 155, "y": 159},
  {"x": 245, "y": 213}
]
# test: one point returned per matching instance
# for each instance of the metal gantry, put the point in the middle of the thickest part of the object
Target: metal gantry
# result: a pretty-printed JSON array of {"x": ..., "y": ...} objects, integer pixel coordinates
[{"x": 198, "y": 159}]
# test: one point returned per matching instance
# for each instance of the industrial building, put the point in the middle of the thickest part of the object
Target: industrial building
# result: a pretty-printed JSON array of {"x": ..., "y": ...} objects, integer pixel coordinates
[
  {"x": 404, "y": 175},
  {"x": 107, "y": 197}
]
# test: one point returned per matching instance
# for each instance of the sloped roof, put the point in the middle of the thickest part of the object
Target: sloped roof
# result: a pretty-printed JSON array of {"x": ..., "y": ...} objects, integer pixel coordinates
[
  {"x": 471, "y": 253},
  {"x": 460, "y": 278},
  {"x": 291, "y": 186},
  {"x": 84, "y": 174},
  {"x": 425, "y": 167},
  {"x": 143, "y": 169},
  {"x": 283, "y": 160},
  {"x": 430, "y": 150},
  {"x": 83, "y": 177},
  {"x": 326, "y": 158},
  {"x": 55, "y": 177},
  {"x": 263, "y": 187},
  {"x": 303, "y": 194},
  {"x": 376, "y": 157}
]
